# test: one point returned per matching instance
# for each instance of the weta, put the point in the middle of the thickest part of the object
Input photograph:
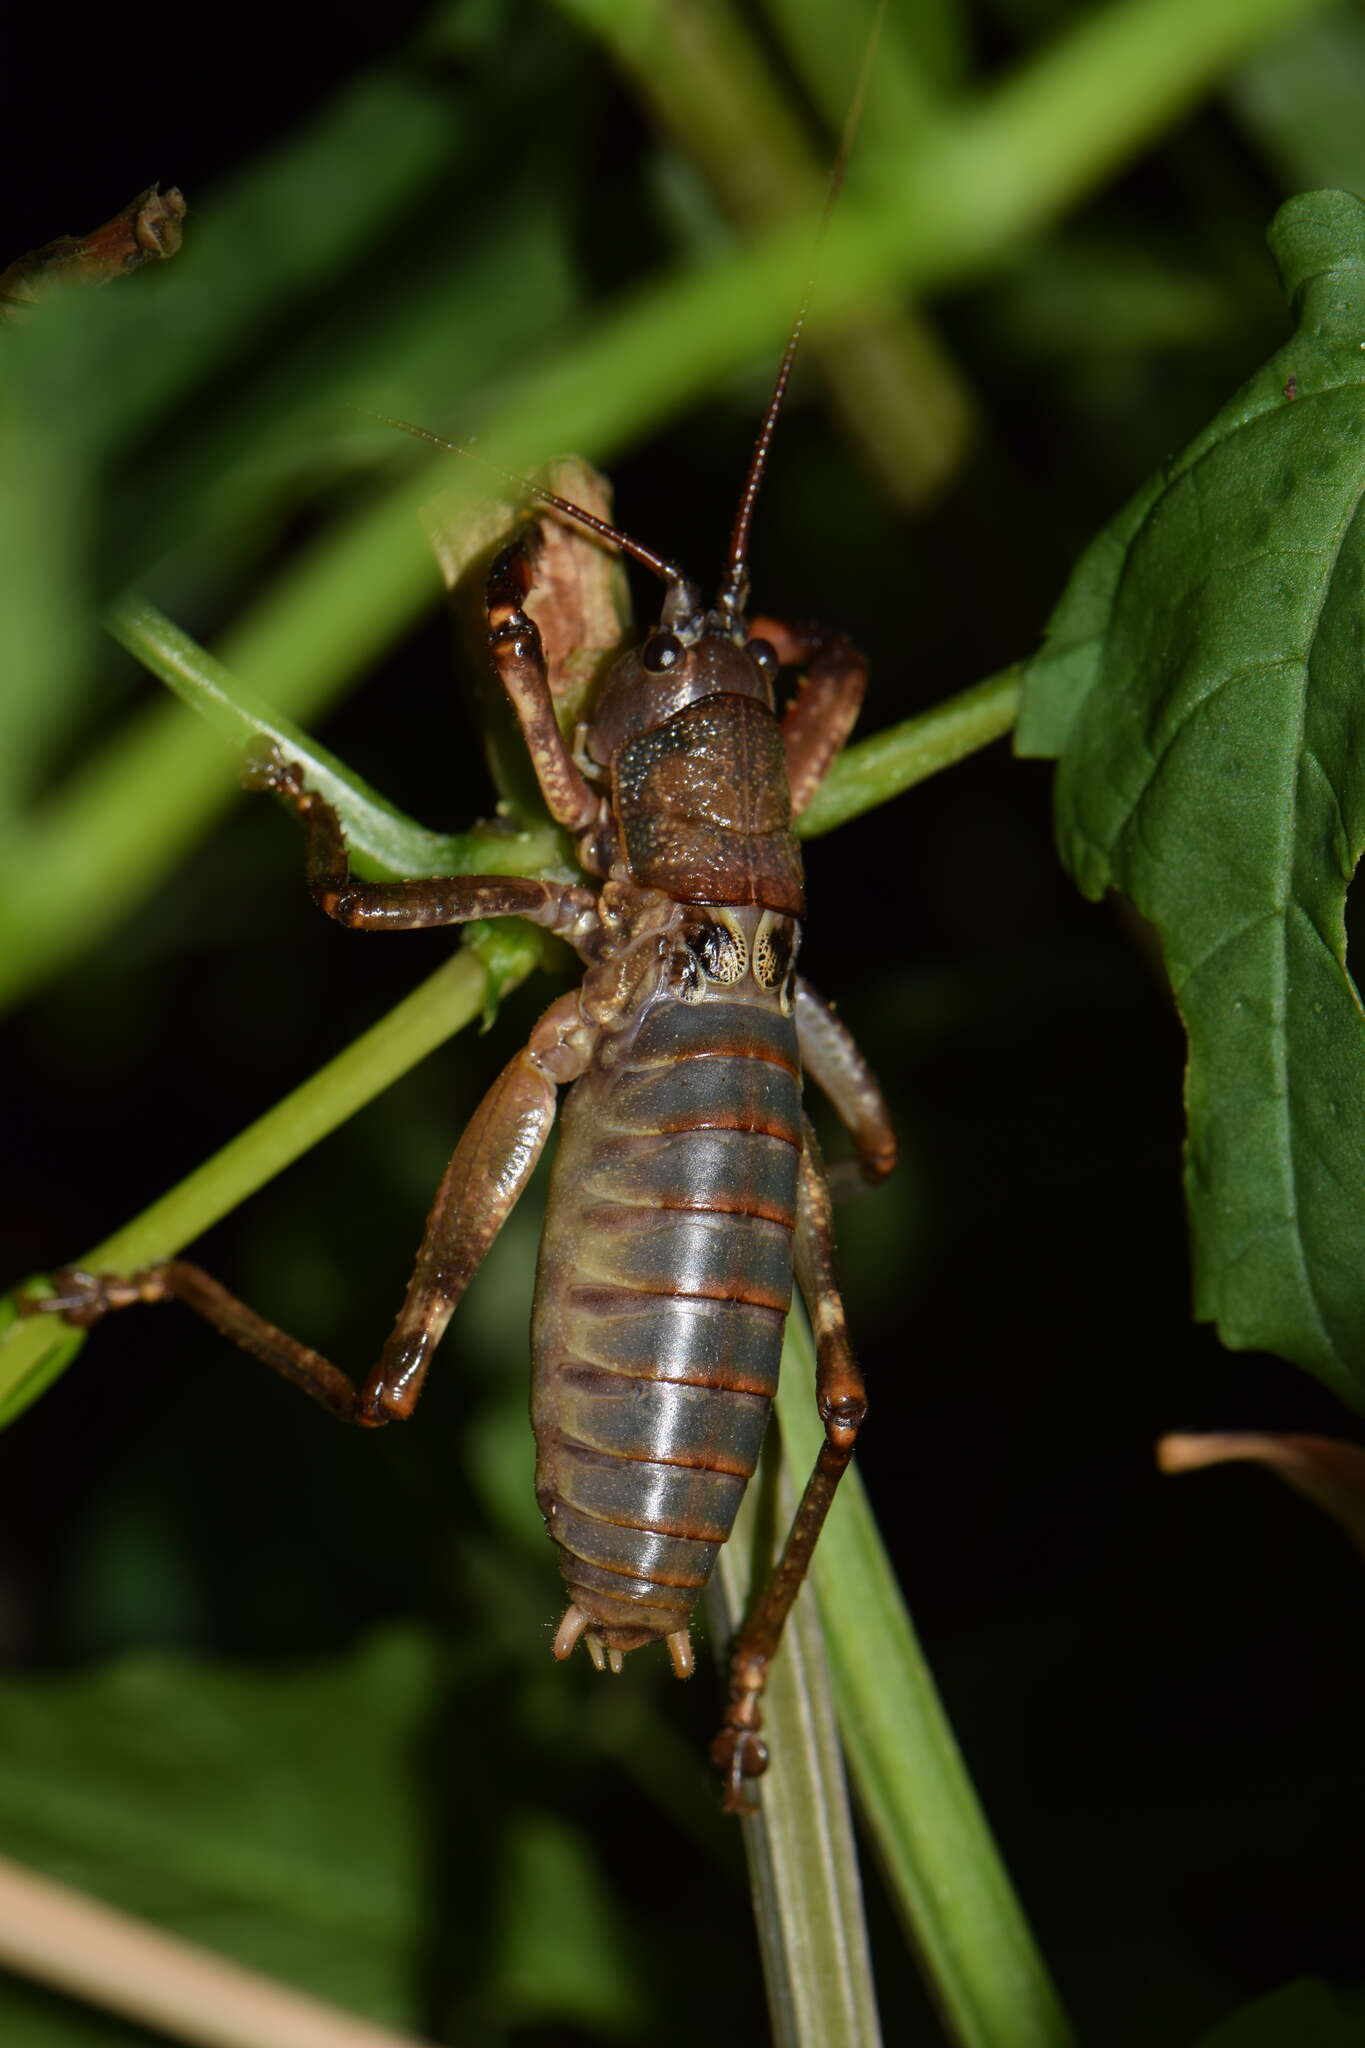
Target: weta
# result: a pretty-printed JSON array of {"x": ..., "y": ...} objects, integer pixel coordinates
[{"x": 688, "y": 1190}]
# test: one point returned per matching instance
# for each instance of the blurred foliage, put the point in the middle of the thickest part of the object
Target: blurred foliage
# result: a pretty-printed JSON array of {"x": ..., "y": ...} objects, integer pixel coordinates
[
  {"x": 232, "y": 1810},
  {"x": 1312, "y": 2014},
  {"x": 440, "y": 217}
]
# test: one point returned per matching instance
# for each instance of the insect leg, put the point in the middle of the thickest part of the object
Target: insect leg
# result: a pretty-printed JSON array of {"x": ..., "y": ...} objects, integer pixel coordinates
[
  {"x": 411, "y": 905},
  {"x": 739, "y": 1751},
  {"x": 491, "y": 1165},
  {"x": 828, "y": 699},
  {"x": 519, "y": 657},
  {"x": 830, "y": 1055}
]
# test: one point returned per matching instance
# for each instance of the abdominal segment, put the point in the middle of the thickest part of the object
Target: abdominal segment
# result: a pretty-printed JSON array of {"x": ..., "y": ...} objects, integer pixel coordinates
[{"x": 664, "y": 1282}]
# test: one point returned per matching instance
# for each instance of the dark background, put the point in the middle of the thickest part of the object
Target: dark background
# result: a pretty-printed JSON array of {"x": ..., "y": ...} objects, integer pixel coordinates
[{"x": 1158, "y": 1685}]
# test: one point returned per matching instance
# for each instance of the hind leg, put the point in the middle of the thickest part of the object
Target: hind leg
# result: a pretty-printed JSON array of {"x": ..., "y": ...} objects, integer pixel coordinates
[
  {"x": 738, "y": 1750},
  {"x": 491, "y": 1165}
]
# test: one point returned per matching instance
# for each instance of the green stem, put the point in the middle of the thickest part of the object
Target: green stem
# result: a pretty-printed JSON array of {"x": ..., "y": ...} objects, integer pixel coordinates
[
  {"x": 917, "y": 59},
  {"x": 944, "y": 1871},
  {"x": 131, "y": 811},
  {"x": 1075, "y": 111},
  {"x": 705, "y": 79},
  {"x": 34, "y": 1349},
  {"x": 881, "y": 767},
  {"x": 955, "y": 201},
  {"x": 803, "y": 1861},
  {"x": 379, "y": 836}
]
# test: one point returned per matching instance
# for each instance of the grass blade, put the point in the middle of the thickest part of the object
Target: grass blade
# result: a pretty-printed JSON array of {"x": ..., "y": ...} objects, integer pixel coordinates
[
  {"x": 942, "y": 1866},
  {"x": 803, "y": 1863}
]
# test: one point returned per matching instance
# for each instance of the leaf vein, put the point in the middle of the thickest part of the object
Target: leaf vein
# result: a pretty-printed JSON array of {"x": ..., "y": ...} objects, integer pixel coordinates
[{"x": 1280, "y": 1038}]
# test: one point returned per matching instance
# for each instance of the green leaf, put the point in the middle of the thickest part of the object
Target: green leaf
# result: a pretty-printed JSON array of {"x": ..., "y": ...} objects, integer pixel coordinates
[
  {"x": 1201, "y": 686},
  {"x": 558, "y": 1950},
  {"x": 277, "y": 1816},
  {"x": 1061, "y": 675},
  {"x": 1304, "y": 2014},
  {"x": 288, "y": 1819},
  {"x": 43, "y": 2019}
]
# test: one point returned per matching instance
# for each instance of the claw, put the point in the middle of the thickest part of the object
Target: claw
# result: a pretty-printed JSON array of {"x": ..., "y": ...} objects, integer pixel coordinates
[
  {"x": 263, "y": 764},
  {"x": 83, "y": 1299},
  {"x": 738, "y": 1754},
  {"x": 69, "y": 1295}
]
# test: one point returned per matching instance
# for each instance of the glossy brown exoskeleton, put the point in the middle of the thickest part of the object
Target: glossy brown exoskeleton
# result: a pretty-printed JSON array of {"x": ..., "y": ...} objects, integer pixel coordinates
[{"x": 688, "y": 1188}]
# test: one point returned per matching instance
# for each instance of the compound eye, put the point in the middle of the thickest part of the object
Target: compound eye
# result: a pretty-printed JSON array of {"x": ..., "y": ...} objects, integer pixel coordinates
[
  {"x": 764, "y": 655},
  {"x": 661, "y": 652}
]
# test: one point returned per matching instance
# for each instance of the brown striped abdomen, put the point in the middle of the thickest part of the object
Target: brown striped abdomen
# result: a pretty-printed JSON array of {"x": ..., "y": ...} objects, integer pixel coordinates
[{"x": 663, "y": 1287}]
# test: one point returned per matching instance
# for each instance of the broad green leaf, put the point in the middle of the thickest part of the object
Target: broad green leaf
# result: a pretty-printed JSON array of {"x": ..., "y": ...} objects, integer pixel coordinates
[
  {"x": 44, "y": 2019},
  {"x": 275, "y": 1816},
  {"x": 1202, "y": 688},
  {"x": 1304, "y": 2014},
  {"x": 292, "y": 1819},
  {"x": 558, "y": 1951}
]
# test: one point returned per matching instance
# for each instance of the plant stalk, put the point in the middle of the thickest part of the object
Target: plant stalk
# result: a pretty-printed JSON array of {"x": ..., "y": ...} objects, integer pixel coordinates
[
  {"x": 34, "y": 1349},
  {"x": 882, "y": 766},
  {"x": 81, "y": 1946},
  {"x": 799, "y": 1845},
  {"x": 945, "y": 1873},
  {"x": 956, "y": 200}
]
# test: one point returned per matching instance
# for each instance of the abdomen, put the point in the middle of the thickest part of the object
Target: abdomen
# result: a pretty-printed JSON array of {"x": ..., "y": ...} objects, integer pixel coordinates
[{"x": 664, "y": 1282}]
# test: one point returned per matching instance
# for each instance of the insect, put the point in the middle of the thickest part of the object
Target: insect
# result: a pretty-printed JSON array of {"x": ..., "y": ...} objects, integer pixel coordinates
[{"x": 688, "y": 1190}]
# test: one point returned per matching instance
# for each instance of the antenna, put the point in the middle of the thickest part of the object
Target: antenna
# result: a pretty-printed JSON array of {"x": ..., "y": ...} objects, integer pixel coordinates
[
  {"x": 735, "y": 588},
  {"x": 669, "y": 571}
]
